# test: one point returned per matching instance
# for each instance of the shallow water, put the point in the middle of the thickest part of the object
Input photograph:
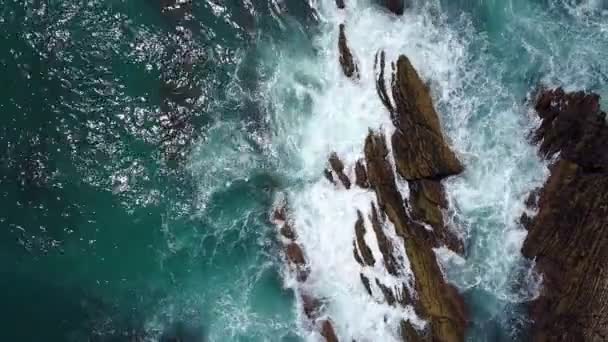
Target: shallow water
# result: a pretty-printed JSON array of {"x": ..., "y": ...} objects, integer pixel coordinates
[{"x": 108, "y": 233}]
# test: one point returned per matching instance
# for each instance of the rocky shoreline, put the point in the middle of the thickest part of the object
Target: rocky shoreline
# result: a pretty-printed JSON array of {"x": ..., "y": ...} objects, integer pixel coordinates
[
  {"x": 418, "y": 154},
  {"x": 568, "y": 237}
]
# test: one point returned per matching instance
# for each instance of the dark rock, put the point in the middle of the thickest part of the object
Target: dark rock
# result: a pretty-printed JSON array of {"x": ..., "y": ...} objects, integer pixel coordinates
[
  {"x": 384, "y": 244},
  {"x": 327, "y": 331},
  {"x": 311, "y": 306},
  {"x": 340, "y": 4},
  {"x": 356, "y": 254},
  {"x": 389, "y": 296},
  {"x": 366, "y": 283},
  {"x": 568, "y": 237},
  {"x": 427, "y": 202},
  {"x": 418, "y": 144},
  {"x": 329, "y": 176},
  {"x": 361, "y": 175},
  {"x": 366, "y": 252},
  {"x": 396, "y": 6},
  {"x": 338, "y": 167},
  {"x": 294, "y": 254},
  {"x": 287, "y": 231},
  {"x": 439, "y": 302},
  {"x": 347, "y": 60},
  {"x": 410, "y": 334}
]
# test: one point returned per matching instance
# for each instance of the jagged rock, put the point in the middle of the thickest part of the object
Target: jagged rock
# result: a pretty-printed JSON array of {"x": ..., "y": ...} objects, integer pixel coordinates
[
  {"x": 294, "y": 254},
  {"x": 327, "y": 331},
  {"x": 366, "y": 253},
  {"x": 389, "y": 296},
  {"x": 329, "y": 176},
  {"x": 287, "y": 231},
  {"x": 418, "y": 144},
  {"x": 439, "y": 302},
  {"x": 311, "y": 306},
  {"x": 384, "y": 244},
  {"x": 340, "y": 4},
  {"x": 421, "y": 154},
  {"x": 410, "y": 334},
  {"x": 347, "y": 60},
  {"x": 568, "y": 237},
  {"x": 361, "y": 175},
  {"x": 356, "y": 254},
  {"x": 427, "y": 202},
  {"x": 338, "y": 167},
  {"x": 366, "y": 283}
]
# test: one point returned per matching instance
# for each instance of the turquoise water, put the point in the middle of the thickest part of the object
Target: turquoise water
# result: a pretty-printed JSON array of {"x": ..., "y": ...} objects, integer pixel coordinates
[{"x": 110, "y": 232}]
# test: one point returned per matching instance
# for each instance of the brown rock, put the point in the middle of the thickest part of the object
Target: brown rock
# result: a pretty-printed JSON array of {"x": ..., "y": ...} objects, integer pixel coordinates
[
  {"x": 287, "y": 231},
  {"x": 366, "y": 253},
  {"x": 439, "y": 302},
  {"x": 294, "y": 254},
  {"x": 361, "y": 175},
  {"x": 427, "y": 202},
  {"x": 568, "y": 237},
  {"x": 410, "y": 334},
  {"x": 347, "y": 61},
  {"x": 418, "y": 144},
  {"x": 389, "y": 296},
  {"x": 384, "y": 243},
  {"x": 338, "y": 167},
  {"x": 327, "y": 331},
  {"x": 311, "y": 306}
]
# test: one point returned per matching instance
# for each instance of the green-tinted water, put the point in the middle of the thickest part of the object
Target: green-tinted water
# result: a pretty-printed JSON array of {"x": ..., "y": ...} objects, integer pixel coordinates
[{"x": 141, "y": 151}]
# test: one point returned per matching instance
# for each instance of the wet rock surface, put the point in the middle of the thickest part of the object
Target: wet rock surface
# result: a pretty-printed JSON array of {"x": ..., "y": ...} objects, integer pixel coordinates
[
  {"x": 568, "y": 237},
  {"x": 421, "y": 153},
  {"x": 395, "y": 6},
  {"x": 441, "y": 305},
  {"x": 347, "y": 60},
  {"x": 338, "y": 167}
]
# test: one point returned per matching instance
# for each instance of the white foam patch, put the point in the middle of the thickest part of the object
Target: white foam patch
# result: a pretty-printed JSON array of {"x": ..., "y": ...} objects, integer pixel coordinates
[{"x": 316, "y": 110}]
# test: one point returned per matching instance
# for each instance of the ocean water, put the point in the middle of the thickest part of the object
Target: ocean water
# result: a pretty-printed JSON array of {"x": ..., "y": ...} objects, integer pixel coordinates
[{"x": 109, "y": 233}]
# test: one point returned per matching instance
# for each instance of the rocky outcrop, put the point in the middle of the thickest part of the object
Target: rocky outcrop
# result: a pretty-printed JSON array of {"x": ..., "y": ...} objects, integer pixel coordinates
[
  {"x": 423, "y": 159},
  {"x": 338, "y": 168},
  {"x": 568, "y": 237},
  {"x": 340, "y": 4},
  {"x": 421, "y": 153},
  {"x": 439, "y": 302},
  {"x": 361, "y": 175},
  {"x": 347, "y": 61}
]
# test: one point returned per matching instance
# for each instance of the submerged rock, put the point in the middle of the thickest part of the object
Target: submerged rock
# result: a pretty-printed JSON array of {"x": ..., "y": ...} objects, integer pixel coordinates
[
  {"x": 347, "y": 60},
  {"x": 568, "y": 237},
  {"x": 395, "y": 6},
  {"x": 338, "y": 167}
]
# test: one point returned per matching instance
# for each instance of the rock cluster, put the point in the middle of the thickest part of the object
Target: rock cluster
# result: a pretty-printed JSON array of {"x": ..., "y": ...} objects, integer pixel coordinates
[
  {"x": 568, "y": 237},
  {"x": 422, "y": 158}
]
